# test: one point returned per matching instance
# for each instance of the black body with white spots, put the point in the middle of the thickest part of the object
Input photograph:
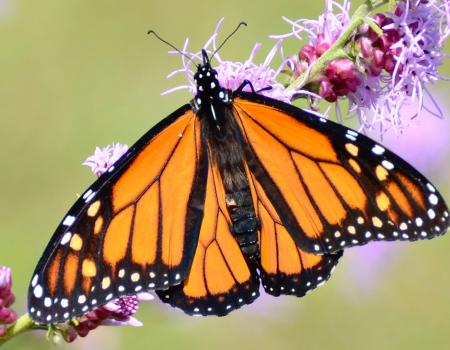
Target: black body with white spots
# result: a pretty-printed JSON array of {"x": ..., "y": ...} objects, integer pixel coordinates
[{"x": 211, "y": 99}]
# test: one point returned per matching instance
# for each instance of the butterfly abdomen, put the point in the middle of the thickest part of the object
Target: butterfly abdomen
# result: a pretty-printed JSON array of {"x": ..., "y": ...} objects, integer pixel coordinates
[{"x": 244, "y": 221}]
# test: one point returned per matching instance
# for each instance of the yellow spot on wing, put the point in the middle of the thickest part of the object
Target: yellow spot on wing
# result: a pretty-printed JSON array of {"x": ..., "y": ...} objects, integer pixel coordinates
[
  {"x": 383, "y": 201},
  {"x": 381, "y": 173},
  {"x": 352, "y": 149},
  {"x": 377, "y": 222},
  {"x": 354, "y": 164},
  {"x": 88, "y": 268},
  {"x": 98, "y": 225},
  {"x": 93, "y": 209},
  {"x": 106, "y": 282},
  {"x": 76, "y": 242}
]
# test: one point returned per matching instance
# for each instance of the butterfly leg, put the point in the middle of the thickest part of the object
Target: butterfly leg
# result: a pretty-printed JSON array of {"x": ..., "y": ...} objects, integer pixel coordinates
[
  {"x": 244, "y": 84},
  {"x": 249, "y": 83}
]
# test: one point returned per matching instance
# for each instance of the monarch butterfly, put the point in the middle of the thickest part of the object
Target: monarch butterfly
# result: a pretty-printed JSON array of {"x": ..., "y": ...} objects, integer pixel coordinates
[{"x": 231, "y": 190}]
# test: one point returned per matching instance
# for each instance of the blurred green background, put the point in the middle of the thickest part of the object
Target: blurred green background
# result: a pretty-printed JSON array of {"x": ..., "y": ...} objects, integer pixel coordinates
[{"x": 76, "y": 74}]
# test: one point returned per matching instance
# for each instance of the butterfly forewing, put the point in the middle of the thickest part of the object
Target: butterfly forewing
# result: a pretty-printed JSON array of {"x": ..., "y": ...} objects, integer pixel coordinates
[
  {"x": 331, "y": 186},
  {"x": 135, "y": 229}
]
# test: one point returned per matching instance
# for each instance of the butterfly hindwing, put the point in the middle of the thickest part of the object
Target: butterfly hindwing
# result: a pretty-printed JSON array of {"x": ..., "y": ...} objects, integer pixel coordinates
[
  {"x": 135, "y": 228},
  {"x": 220, "y": 279},
  {"x": 286, "y": 268},
  {"x": 333, "y": 187}
]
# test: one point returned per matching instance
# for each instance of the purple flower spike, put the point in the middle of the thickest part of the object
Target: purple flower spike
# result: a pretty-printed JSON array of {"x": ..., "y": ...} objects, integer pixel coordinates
[
  {"x": 385, "y": 73},
  {"x": 232, "y": 74},
  {"x": 341, "y": 77},
  {"x": 405, "y": 59},
  {"x": 122, "y": 310},
  {"x": 7, "y": 298},
  {"x": 104, "y": 157},
  {"x": 324, "y": 31},
  {"x": 118, "y": 312}
]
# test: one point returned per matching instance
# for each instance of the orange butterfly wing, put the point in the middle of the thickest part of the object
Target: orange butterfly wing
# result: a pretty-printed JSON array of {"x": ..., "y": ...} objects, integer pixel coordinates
[
  {"x": 330, "y": 186},
  {"x": 158, "y": 218},
  {"x": 220, "y": 280},
  {"x": 134, "y": 229},
  {"x": 285, "y": 268}
]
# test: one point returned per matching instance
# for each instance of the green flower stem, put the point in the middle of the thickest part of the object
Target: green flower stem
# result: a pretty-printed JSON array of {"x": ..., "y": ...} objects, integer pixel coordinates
[
  {"x": 337, "y": 49},
  {"x": 23, "y": 324}
]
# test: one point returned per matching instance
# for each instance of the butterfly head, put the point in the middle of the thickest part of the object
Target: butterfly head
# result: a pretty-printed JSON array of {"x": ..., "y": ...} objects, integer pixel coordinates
[{"x": 209, "y": 90}]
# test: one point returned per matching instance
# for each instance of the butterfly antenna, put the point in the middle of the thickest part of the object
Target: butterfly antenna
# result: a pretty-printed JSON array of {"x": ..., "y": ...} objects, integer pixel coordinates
[
  {"x": 151, "y": 31},
  {"x": 228, "y": 37}
]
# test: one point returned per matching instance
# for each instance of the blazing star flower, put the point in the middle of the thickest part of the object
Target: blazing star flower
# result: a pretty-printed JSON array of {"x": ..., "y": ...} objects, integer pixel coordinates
[
  {"x": 115, "y": 313},
  {"x": 232, "y": 74},
  {"x": 104, "y": 157},
  {"x": 341, "y": 76},
  {"x": 7, "y": 298},
  {"x": 405, "y": 58},
  {"x": 385, "y": 73},
  {"x": 320, "y": 33}
]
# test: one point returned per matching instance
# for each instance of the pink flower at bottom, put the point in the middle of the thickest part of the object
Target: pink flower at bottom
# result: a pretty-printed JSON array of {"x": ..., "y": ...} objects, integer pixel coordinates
[
  {"x": 7, "y": 298},
  {"x": 118, "y": 312}
]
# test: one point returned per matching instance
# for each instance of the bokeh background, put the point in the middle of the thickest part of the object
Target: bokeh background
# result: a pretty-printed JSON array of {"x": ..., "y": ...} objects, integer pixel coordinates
[{"x": 76, "y": 74}]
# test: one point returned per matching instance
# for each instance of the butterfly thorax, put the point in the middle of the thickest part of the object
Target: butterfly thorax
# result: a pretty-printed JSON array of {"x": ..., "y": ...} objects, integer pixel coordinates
[{"x": 210, "y": 97}]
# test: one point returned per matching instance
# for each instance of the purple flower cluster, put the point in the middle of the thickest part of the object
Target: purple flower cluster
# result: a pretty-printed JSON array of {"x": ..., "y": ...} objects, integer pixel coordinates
[
  {"x": 341, "y": 76},
  {"x": 384, "y": 73},
  {"x": 340, "y": 79},
  {"x": 378, "y": 50},
  {"x": 7, "y": 298},
  {"x": 232, "y": 74},
  {"x": 104, "y": 157},
  {"x": 115, "y": 313},
  {"x": 403, "y": 61}
]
